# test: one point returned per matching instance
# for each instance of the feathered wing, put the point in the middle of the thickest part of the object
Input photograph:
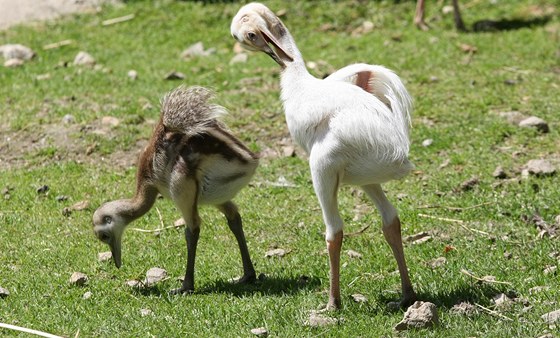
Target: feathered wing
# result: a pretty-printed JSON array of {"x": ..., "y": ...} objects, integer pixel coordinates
[
  {"x": 189, "y": 110},
  {"x": 382, "y": 83}
]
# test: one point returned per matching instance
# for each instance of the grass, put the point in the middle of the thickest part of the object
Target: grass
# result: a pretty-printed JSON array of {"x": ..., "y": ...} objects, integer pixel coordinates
[{"x": 40, "y": 247}]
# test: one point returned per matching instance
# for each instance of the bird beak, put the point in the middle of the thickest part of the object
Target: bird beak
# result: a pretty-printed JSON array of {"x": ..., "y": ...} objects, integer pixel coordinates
[
  {"x": 115, "y": 246},
  {"x": 277, "y": 53}
]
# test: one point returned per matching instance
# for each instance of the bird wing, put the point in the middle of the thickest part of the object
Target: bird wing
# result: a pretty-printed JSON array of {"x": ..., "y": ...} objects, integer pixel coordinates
[{"x": 380, "y": 82}]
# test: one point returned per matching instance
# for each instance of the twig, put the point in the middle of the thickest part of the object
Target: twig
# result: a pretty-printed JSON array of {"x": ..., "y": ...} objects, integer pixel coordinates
[
  {"x": 484, "y": 280},
  {"x": 452, "y": 208},
  {"x": 57, "y": 44},
  {"x": 26, "y": 330},
  {"x": 118, "y": 20},
  {"x": 156, "y": 230},
  {"x": 460, "y": 222},
  {"x": 494, "y": 313},
  {"x": 356, "y": 233},
  {"x": 160, "y": 218}
]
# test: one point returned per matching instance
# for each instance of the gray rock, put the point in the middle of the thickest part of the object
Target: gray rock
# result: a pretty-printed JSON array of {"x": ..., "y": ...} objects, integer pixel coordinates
[
  {"x": 551, "y": 317},
  {"x": 427, "y": 142},
  {"x": 535, "y": 122},
  {"x": 353, "y": 254},
  {"x": 317, "y": 319},
  {"x": 502, "y": 300},
  {"x": 260, "y": 331},
  {"x": 540, "y": 168},
  {"x": 87, "y": 295},
  {"x": 419, "y": 315},
  {"x": 155, "y": 275},
  {"x": 104, "y": 256},
  {"x": 16, "y": 51},
  {"x": 132, "y": 74},
  {"x": 4, "y": 292},
  {"x": 78, "y": 279},
  {"x": 464, "y": 308},
  {"x": 359, "y": 298},
  {"x": 513, "y": 117},
  {"x": 197, "y": 49},
  {"x": 275, "y": 253},
  {"x": 146, "y": 312},
  {"x": 84, "y": 59}
]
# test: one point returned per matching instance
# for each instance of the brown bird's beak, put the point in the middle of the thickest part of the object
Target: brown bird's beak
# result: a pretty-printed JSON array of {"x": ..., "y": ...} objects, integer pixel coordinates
[
  {"x": 115, "y": 246},
  {"x": 277, "y": 53}
]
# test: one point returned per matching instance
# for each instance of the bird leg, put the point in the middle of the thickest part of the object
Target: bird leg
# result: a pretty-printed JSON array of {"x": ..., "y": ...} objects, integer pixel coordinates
[
  {"x": 459, "y": 24},
  {"x": 334, "y": 247},
  {"x": 392, "y": 233},
  {"x": 229, "y": 209},
  {"x": 419, "y": 16}
]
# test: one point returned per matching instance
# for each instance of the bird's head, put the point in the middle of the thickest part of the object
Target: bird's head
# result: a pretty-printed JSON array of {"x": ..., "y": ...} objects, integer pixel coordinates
[
  {"x": 257, "y": 28},
  {"x": 108, "y": 226}
]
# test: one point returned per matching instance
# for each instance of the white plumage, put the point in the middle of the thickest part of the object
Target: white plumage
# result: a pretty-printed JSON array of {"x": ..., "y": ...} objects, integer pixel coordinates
[{"x": 354, "y": 125}]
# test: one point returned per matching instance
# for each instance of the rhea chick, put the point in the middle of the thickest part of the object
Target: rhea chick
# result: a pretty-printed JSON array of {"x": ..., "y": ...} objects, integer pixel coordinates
[{"x": 192, "y": 158}]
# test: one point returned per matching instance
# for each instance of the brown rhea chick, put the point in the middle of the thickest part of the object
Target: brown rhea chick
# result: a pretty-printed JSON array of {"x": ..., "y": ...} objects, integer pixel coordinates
[{"x": 192, "y": 159}]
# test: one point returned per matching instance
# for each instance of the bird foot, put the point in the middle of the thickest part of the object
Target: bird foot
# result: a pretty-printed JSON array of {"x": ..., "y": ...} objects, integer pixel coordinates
[
  {"x": 246, "y": 278},
  {"x": 404, "y": 303},
  {"x": 181, "y": 291},
  {"x": 323, "y": 308}
]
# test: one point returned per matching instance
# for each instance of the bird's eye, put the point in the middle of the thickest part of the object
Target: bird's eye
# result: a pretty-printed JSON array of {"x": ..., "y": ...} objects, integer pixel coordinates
[
  {"x": 251, "y": 36},
  {"x": 107, "y": 220}
]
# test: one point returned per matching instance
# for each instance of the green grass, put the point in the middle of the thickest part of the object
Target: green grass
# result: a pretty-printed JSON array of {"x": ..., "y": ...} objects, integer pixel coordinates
[{"x": 40, "y": 247}]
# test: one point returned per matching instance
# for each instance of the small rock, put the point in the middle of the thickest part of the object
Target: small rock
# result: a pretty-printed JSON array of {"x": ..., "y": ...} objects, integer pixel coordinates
[
  {"x": 551, "y": 317},
  {"x": 146, "y": 312},
  {"x": 464, "y": 308},
  {"x": 499, "y": 172},
  {"x": 155, "y": 275},
  {"x": 104, "y": 256},
  {"x": 540, "y": 168},
  {"x": 353, "y": 254},
  {"x": 68, "y": 119},
  {"x": 550, "y": 270},
  {"x": 260, "y": 331},
  {"x": 16, "y": 51},
  {"x": 84, "y": 59},
  {"x": 447, "y": 9},
  {"x": 110, "y": 121},
  {"x": 469, "y": 184},
  {"x": 427, "y": 142},
  {"x": 535, "y": 122},
  {"x": 275, "y": 253},
  {"x": 78, "y": 279},
  {"x": 359, "y": 298},
  {"x": 132, "y": 74},
  {"x": 4, "y": 292},
  {"x": 133, "y": 283},
  {"x": 43, "y": 189},
  {"x": 318, "y": 320},
  {"x": 501, "y": 300},
  {"x": 289, "y": 151},
  {"x": 538, "y": 288},
  {"x": 12, "y": 63},
  {"x": 87, "y": 295},
  {"x": 513, "y": 117},
  {"x": 197, "y": 49},
  {"x": 173, "y": 75},
  {"x": 436, "y": 263},
  {"x": 419, "y": 315},
  {"x": 239, "y": 58}
]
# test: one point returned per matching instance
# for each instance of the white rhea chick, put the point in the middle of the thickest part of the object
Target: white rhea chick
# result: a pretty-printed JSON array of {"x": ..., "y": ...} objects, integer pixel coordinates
[
  {"x": 353, "y": 124},
  {"x": 192, "y": 159}
]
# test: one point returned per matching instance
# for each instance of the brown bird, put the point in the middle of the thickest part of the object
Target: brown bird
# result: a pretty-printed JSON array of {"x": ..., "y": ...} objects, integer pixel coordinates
[{"x": 193, "y": 159}]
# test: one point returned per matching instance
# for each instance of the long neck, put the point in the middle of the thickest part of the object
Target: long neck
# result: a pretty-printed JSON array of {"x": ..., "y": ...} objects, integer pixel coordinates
[
  {"x": 298, "y": 65},
  {"x": 141, "y": 203}
]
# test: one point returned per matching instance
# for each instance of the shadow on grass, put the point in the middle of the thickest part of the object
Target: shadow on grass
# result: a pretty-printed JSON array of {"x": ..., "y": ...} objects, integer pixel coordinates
[
  {"x": 265, "y": 286},
  {"x": 507, "y": 25}
]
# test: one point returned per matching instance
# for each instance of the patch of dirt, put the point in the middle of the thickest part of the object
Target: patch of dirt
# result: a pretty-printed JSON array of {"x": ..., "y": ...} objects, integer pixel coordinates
[{"x": 61, "y": 142}]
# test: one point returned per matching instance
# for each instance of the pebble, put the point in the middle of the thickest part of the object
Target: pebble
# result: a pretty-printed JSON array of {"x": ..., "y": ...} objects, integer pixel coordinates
[
  {"x": 16, "y": 51},
  {"x": 317, "y": 319},
  {"x": 84, "y": 59},
  {"x": 239, "y": 58},
  {"x": 419, "y": 315},
  {"x": 551, "y": 317},
  {"x": 535, "y": 122},
  {"x": 501, "y": 300},
  {"x": 146, "y": 312},
  {"x": 68, "y": 119},
  {"x": 427, "y": 142},
  {"x": 353, "y": 254},
  {"x": 275, "y": 253},
  {"x": 438, "y": 262},
  {"x": 78, "y": 279},
  {"x": 104, "y": 256},
  {"x": 359, "y": 298},
  {"x": 4, "y": 292},
  {"x": 133, "y": 283},
  {"x": 132, "y": 74},
  {"x": 540, "y": 167},
  {"x": 260, "y": 331},
  {"x": 87, "y": 295},
  {"x": 197, "y": 49},
  {"x": 513, "y": 117},
  {"x": 155, "y": 275}
]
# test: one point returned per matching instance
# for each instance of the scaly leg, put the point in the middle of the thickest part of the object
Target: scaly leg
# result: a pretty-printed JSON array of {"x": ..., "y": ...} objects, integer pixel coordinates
[
  {"x": 326, "y": 182},
  {"x": 459, "y": 24},
  {"x": 419, "y": 16},
  {"x": 229, "y": 209},
  {"x": 392, "y": 233}
]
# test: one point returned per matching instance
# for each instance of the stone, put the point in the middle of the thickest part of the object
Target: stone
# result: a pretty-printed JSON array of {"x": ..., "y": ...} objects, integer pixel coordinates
[
  {"x": 289, "y": 151},
  {"x": 535, "y": 122},
  {"x": 513, "y": 117},
  {"x": 317, "y": 319},
  {"x": 438, "y": 262},
  {"x": 353, "y": 254},
  {"x": 4, "y": 292},
  {"x": 551, "y": 317},
  {"x": 419, "y": 315},
  {"x": 427, "y": 142},
  {"x": 78, "y": 279},
  {"x": 16, "y": 51},
  {"x": 550, "y": 270},
  {"x": 104, "y": 256},
  {"x": 197, "y": 49},
  {"x": 68, "y": 119},
  {"x": 132, "y": 74},
  {"x": 155, "y": 275},
  {"x": 146, "y": 312},
  {"x": 12, "y": 63},
  {"x": 464, "y": 308},
  {"x": 260, "y": 331},
  {"x": 275, "y": 253},
  {"x": 540, "y": 167},
  {"x": 502, "y": 300},
  {"x": 133, "y": 283},
  {"x": 239, "y": 58},
  {"x": 87, "y": 295},
  {"x": 500, "y": 173},
  {"x": 84, "y": 59},
  {"x": 359, "y": 298}
]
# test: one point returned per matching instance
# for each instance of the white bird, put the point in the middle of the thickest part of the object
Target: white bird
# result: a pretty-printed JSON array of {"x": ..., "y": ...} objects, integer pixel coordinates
[
  {"x": 353, "y": 125},
  {"x": 192, "y": 159}
]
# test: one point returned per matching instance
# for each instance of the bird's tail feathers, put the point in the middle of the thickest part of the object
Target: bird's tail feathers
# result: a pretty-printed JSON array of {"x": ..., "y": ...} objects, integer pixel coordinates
[{"x": 188, "y": 110}]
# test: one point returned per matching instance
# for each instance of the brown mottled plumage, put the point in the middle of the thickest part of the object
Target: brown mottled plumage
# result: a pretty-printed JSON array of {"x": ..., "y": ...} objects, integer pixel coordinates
[{"x": 192, "y": 159}]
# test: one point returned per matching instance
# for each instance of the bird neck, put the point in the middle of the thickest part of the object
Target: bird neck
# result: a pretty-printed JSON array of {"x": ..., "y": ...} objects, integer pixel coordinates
[{"x": 140, "y": 204}]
